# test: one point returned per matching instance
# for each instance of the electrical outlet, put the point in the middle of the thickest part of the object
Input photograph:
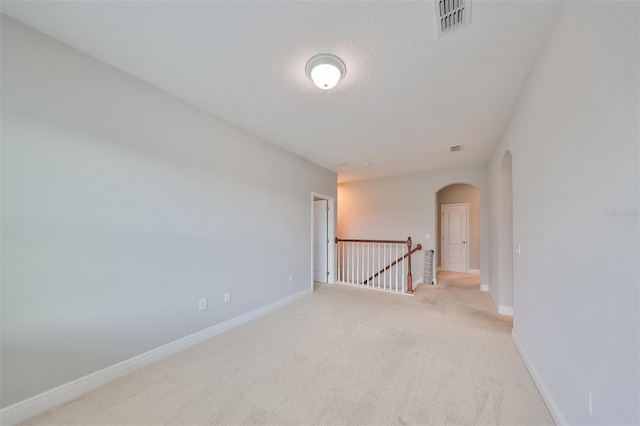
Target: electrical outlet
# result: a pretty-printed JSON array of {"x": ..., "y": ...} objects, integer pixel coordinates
[
  {"x": 428, "y": 236},
  {"x": 290, "y": 278},
  {"x": 202, "y": 304},
  {"x": 518, "y": 249},
  {"x": 227, "y": 297}
]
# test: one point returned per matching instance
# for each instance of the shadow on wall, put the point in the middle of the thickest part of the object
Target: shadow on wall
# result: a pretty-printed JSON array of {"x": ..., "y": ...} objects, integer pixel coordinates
[{"x": 458, "y": 228}]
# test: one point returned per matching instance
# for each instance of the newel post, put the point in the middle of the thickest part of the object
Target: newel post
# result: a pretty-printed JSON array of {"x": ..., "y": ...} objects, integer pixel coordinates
[{"x": 409, "y": 276}]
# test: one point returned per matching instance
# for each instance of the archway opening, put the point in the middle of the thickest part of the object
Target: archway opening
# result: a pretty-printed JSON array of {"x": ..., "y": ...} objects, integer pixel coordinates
[{"x": 458, "y": 245}]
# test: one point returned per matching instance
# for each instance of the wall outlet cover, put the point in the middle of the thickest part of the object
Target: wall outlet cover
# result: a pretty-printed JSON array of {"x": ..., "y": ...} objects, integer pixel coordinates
[{"x": 202, "y": 304}]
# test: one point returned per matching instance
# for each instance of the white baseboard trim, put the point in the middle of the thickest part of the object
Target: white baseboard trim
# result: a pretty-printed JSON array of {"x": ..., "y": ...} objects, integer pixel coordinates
[
  {"x": 544, "y": 392},
  {"x": 484, "y": 287},
  {"x": 505, "y": 310},
  {"x": 474, "y": 271},
  {"x": 22, "y": 410},
  {"x": 418, "y": 282}
]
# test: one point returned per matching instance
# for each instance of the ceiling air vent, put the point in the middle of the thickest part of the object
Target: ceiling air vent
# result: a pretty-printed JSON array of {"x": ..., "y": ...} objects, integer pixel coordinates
[
  {"x": 341, "y": 164},
  {"x": 451, "y": 15},
  {"x": 455, "y": 148}
]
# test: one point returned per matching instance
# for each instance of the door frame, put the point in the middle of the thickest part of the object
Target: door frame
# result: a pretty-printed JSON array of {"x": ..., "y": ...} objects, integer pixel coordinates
[
  {"x": 331, "y": 236},
  {"x": 441, "y": 258},
  {"x": 321, "y": 213}
]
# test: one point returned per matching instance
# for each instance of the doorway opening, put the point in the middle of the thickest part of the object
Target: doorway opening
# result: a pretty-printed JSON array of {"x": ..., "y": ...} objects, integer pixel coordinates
[
  {"x": 458, "y": 232},
  {"x": 322, "y": 239},
  {"x": 506, "y": 236}
]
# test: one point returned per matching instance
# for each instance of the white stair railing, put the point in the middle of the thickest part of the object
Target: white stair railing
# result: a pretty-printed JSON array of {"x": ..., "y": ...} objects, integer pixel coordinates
[{"x": 378, "y": 264}]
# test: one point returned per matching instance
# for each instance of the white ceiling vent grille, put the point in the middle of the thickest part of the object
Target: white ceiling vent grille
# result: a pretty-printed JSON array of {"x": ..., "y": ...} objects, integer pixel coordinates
[
  {"x": 452, "y": 14},
  {"x": 455, "y": 148}
]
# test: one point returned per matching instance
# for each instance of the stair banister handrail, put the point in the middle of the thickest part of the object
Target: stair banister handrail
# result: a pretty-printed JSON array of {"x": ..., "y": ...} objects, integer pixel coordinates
[{"x": 341, "y": 240}]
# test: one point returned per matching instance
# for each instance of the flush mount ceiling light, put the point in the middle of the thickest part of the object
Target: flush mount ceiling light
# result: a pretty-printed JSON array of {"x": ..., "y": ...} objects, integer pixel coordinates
[{"x": 325, "y": 70}]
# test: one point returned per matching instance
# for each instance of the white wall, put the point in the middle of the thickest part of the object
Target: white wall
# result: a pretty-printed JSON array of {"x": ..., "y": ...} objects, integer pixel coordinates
[
  {"x": 405, "y": 206},
  {"x": 574, "y": 139},
  {"x": 121, "y": 207}
]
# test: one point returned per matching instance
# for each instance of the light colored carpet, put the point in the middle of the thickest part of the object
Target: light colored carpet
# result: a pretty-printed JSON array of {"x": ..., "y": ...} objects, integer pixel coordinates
[
  {"x": 340, "y": 356},
  {"x": 456, "y": 279}
]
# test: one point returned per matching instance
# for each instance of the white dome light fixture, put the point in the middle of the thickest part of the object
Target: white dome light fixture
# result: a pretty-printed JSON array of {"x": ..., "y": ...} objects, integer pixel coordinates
[{"x": 325, "y": 70}]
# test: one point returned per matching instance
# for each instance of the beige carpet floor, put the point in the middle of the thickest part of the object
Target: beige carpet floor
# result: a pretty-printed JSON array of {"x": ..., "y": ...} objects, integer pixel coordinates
[{"x": 340, "y": 356}]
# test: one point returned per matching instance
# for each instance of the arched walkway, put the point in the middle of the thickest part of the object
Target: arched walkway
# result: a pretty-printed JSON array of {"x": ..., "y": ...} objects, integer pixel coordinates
[{"x": 458, "y": 245}]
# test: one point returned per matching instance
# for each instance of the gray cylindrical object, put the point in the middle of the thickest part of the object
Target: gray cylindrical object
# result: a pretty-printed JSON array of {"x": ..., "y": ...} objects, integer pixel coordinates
[{"x": 428, "y": 267}]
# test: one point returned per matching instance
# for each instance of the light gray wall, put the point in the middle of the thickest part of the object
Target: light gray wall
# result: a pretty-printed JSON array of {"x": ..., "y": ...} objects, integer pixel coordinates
[
  {"x": 464, "y": 194},
  {"x": 405, "y": 206},
  {"x": 121, "y": 207},
  {"x": 574, "y": 140}
]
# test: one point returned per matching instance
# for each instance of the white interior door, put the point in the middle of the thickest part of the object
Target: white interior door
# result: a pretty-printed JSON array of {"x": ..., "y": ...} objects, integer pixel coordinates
[
  {"x": 320, "y": 240},
  {"x": 454, "y": 237}
]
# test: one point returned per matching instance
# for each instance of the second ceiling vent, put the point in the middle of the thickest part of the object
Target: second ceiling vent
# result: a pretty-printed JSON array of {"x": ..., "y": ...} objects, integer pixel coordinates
[{"x": 451, "y": 15}]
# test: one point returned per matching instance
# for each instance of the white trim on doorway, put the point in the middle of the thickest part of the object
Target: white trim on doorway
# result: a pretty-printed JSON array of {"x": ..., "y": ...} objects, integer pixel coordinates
[{"x": 331, "y": 235}]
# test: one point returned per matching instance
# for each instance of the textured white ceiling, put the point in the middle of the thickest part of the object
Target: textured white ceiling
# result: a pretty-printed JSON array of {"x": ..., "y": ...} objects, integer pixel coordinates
[{"x": 406, "y": 98}]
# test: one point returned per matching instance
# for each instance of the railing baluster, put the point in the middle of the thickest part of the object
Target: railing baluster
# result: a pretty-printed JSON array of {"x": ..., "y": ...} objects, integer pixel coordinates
[
  {"x": 396, "y": 268},
  {"x": 339, "y": 256},
  {"x": 368, "y": 263},
  {"x": 352, "y": 261},
  {"x": 342, "y": 265},
  {"x": 348, "y": 262},
  {"x": 389, "y": 276},
  {"x": 384, "y": 282},
  {"x": 355, "y": 262},
  {"x": 358, "y": 249},
  {"x": 345, "y": 258},
  {"x": 404, "y": 277},
  {"x": 361, "y": 263},
  {"x": 343, "y": 277},
  {"x": 379, "y": 262},
  {"x": 351, "y": 264}
]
